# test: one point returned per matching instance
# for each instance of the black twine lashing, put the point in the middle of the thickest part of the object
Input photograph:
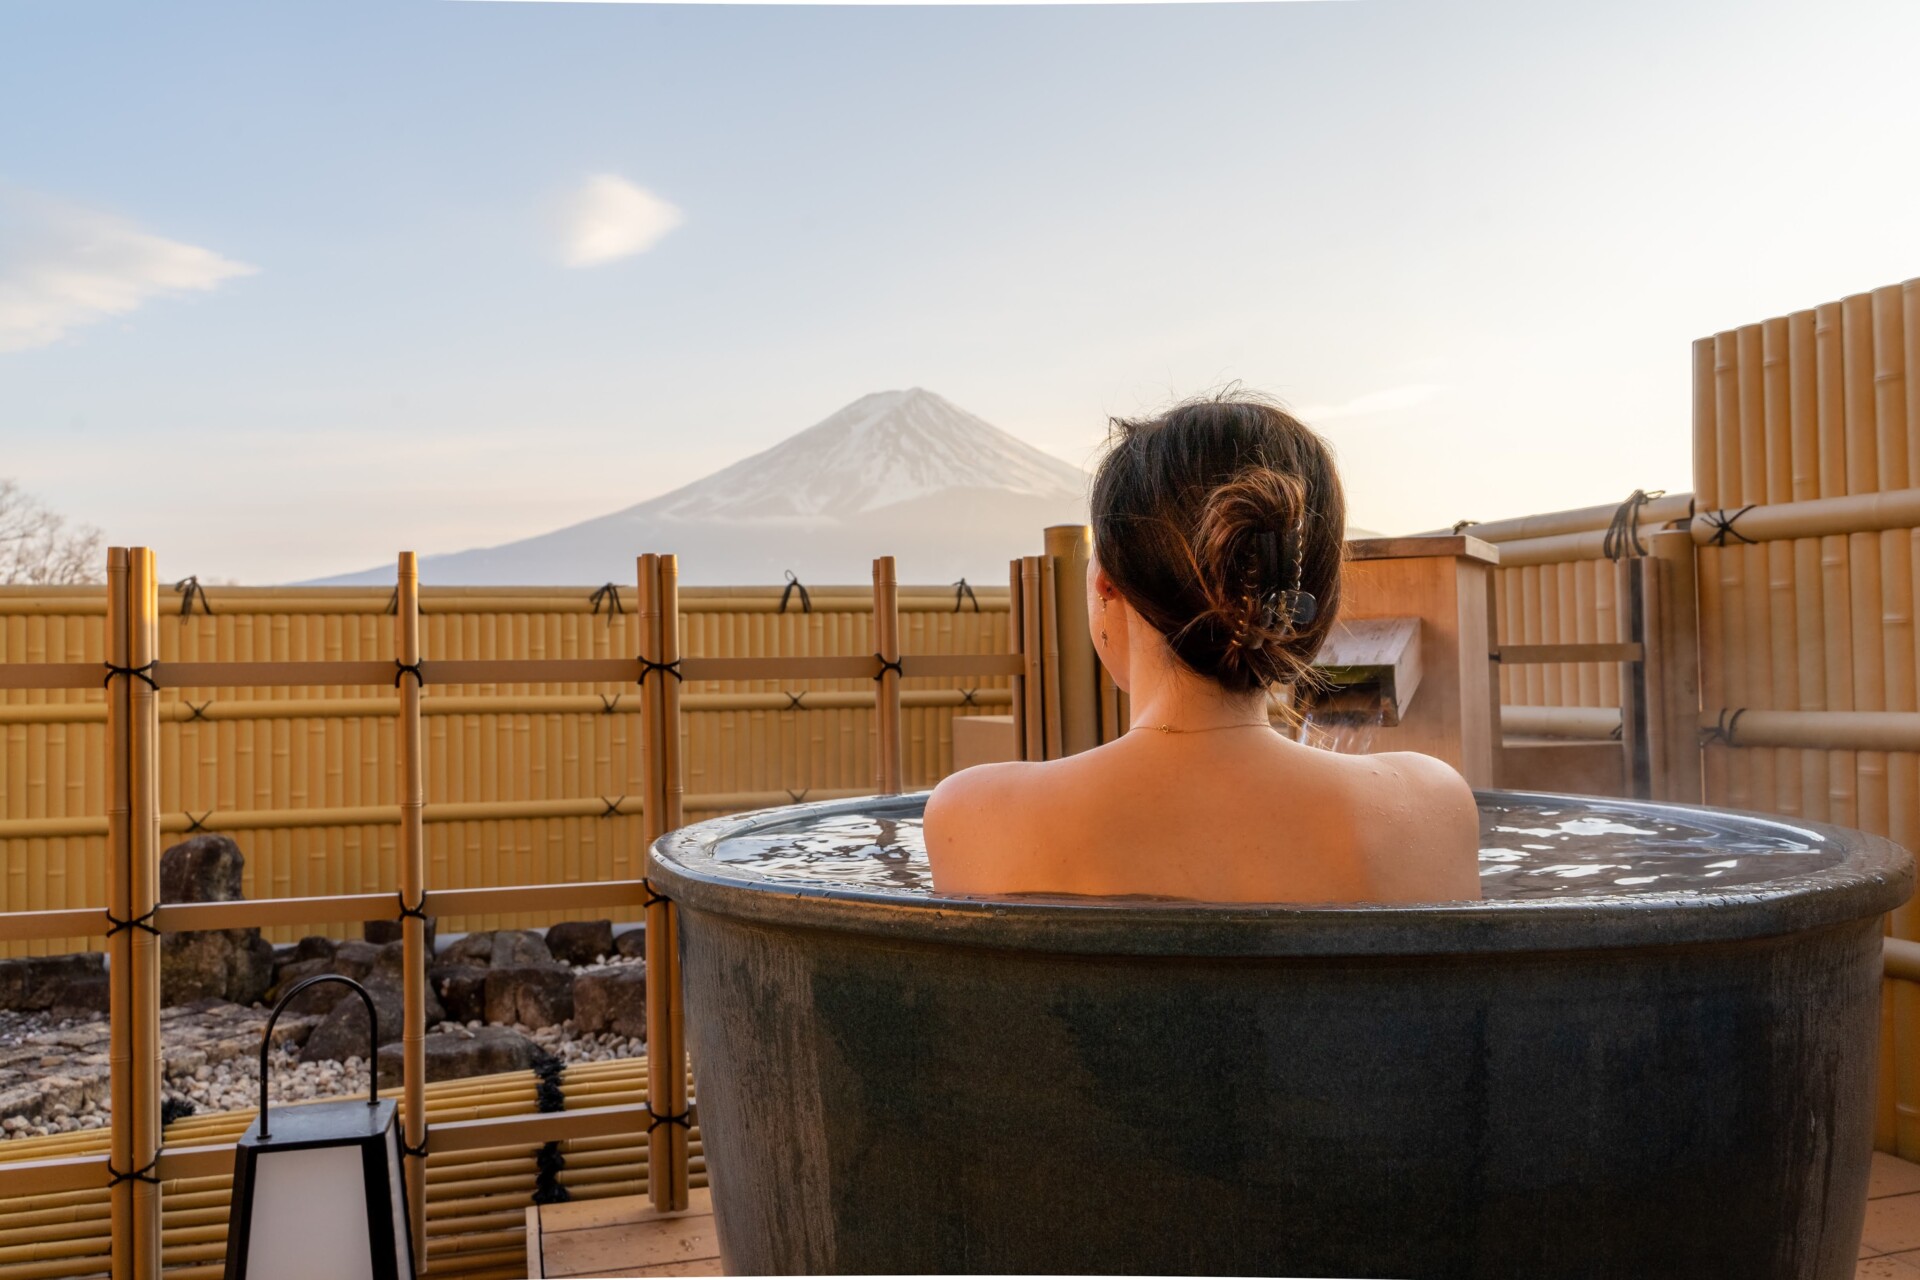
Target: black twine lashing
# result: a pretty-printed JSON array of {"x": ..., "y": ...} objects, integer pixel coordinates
[
  {"x": 613, "y": 806},
  {"x": 794, "y": 584},
  {"x": 1623, "y": 533},
  {"x": 142, "y": 672},
  {"x": 393, "y": 603},
  {"x": 652, "y": 896},
  {"x": 793, "y": 699},
  {"x": 197, "y": 824},
  {"x": 648, "y": 666},
  {"x": 1458, "y": 525},
  {"x": 416, "y": 1152},
  {"x": 961, "y": 590},
  {"x": 418, "y": 911},
  {"x": 966, "y": 697},
  {"x": 798, "y": 796},
  {"x": 190, "y": 589},
  {"x": 407, "y": 669},
  {"x": 197, "y": 712},
  {"x": 609, "y": 594},
  {"x": 117, "y": 925},
  {"x": 682, "y": 1118},
  {"x": 1721, "y": 730},
  {"x": 609, "y": 705},
  {"x": 886, "y": 665},
  {"x": 1722, "y": 524},
  {"x": 146, "y": 1175}
]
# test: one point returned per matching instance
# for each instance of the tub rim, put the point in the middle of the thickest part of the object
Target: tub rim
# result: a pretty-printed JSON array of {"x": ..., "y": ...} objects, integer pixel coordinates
[{"x": 1873, "y": 877}]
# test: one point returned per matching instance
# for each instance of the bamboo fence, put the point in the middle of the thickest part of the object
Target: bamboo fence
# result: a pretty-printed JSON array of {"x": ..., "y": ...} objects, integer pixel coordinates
[
  {"x": 524, "y": 782},
  {"x": 138, "y": 671}
]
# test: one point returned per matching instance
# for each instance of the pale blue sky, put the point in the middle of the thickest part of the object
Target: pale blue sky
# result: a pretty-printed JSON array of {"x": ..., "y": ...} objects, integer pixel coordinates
[{"x": 284, "y": 288}]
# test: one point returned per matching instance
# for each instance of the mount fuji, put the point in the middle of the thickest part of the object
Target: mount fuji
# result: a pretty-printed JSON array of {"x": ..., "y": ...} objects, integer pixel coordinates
[{"x": 901, "y": 473}]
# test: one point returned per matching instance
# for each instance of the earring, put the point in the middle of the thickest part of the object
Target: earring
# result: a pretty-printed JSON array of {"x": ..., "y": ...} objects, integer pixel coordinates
[{"x": 1103, "y": 615}]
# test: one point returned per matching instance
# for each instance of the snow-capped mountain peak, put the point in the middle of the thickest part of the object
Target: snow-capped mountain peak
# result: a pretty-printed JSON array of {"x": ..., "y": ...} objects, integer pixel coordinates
[{"x": 884, "y": 448}]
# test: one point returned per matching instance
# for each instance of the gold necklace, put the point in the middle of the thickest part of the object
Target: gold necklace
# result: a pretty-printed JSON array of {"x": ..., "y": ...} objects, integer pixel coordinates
[{"x": 1246, "y": 724}]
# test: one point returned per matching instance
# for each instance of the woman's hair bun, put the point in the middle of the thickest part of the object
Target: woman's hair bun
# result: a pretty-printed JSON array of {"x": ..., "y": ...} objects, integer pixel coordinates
[{"x": 1222, "y": 522}]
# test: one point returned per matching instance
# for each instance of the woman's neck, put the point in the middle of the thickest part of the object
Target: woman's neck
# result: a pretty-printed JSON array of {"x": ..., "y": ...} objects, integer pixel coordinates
[{"x": 1164, "y": 693}]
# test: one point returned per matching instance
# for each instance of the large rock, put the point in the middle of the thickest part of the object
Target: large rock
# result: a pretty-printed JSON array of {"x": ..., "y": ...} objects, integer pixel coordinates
[
  {"x": 381, "y": 932},
  {"x": 342, "y": 1034},
  {"x": 632, "y": 944},
  {"x": 36, "y": 984},
  {"x": 220, "y": 964},
  {"x": 457, "y": 1055},
  {"x": 530, "y": 997},
  {"x": 462, "y": 989},
  {"x": 580, "y": 942},
  {"x": 502, "y": 949},
  {"x": 612, "y": 999}
]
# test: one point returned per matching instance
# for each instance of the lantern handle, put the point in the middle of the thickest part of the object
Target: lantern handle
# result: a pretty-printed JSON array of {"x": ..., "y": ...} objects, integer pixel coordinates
[{"x": 373, "y": 1039}]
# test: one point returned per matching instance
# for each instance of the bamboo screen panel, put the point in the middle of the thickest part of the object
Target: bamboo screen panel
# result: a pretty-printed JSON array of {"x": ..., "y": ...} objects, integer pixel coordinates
[
  {"x": 1821, "y": 403},
  {"x": 304, "y": 779},
  {"x": 1571, "y": 602}
]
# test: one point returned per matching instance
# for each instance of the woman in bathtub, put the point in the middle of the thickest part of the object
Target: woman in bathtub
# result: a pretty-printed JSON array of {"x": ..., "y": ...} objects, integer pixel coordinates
[{"x": 1217, "y": 539}]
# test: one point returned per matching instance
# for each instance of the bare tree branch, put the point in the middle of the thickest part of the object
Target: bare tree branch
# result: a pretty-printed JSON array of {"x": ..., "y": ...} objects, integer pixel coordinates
[{"x": 38, "y": 548}]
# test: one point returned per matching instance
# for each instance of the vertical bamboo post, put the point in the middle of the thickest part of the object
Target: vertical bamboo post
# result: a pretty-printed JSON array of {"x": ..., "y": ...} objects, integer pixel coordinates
[
  {"x": 1836, "y": 570},
  {"x": 666, "y": 1071},
  {"x": 672, "y": 791},
  {"x": 1050, "y": 650},
  {"x": 1016, "y": 644},
  {"x": 120, "y": 992},
  {"x": 143, "y": 796},
  {"x": 1863, "y": 549},
  {"x": 1708, "y": 565},
  {"x": 1782, "y": 621},
  {"x": 1631, "y": 589},
  {"x": 1756, "y": 640},
  {"x": 413, "y": 886},
  {"x": 1808, "y": 575},
  {"x": 1070, "y": 546},
  {"x": 1032, "y": 647},
  {"x": 887, "y": 767},
  {"x": 1674, "y": 679}
]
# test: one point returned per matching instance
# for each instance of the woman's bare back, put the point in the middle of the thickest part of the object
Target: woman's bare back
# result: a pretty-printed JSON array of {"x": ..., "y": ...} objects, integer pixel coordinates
[{"x": 1235, "y": 815}]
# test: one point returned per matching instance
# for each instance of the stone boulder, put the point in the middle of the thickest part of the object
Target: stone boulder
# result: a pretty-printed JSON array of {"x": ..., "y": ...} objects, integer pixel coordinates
[
  {"x": 342, "y": 1033},
  {"x": 221, "y": 964},
  {"x": 580, "y": 942},
  {"x": 40, "y": 984},
  {"x": 612, "y": 999},
  {"x": 530, "y": 997},
  {"x": 462, "y": 989},
  {"x": 456, "y": 1055},
  {"x": 381, "y": 932},
  {"x": 632, "y": 944}
]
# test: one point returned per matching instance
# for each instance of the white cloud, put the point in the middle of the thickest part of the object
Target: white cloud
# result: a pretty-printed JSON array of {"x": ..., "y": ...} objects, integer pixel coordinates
[
  {"x": 1371, "y": 403},
  {"x": 609, "y": 218},
  {"x": 62, "y": 266}
]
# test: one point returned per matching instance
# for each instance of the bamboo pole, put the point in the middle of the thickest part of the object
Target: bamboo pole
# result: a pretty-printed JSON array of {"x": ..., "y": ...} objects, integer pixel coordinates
[
  {"x": 1673, "y": 506},
  {"x": 660, "y": 966},
  {"x": 1050, "y": 642},
  {"x": 1863, "y": 550},
  {"x": 143, "y": 796},
  {"x": 1071, "y": 548},
  {"x": 1754, "y": 639},
  {"x": 1808, "y": 575},
  {"x": 1016, "y": 644},
  {"x": 1783, "y": 678},
  {"x": 413, "y": 888},
  {"x": 887, "y": 767},
  {"x": 673, "y": 1061},
  {"x": 120, "y": 991},
  {"x": 1032, "y": 646},
  {"x": 1894, "y": 457},
  {"x": 1836, "y": 570}
]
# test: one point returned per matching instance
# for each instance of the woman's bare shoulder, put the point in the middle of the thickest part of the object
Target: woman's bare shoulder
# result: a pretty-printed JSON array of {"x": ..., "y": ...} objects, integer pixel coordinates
[{"x": 973, "y": 823}]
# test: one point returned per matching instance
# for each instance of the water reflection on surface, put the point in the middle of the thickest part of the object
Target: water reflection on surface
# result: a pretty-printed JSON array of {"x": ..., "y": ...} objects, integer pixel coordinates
[{"x": 1585, "y": 850}]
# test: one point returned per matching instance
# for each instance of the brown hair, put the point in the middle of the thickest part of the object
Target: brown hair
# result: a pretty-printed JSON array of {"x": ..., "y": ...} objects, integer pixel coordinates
[{"x": 1205, "y": 516}]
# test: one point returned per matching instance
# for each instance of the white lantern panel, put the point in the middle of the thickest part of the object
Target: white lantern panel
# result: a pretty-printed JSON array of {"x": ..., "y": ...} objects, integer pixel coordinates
[
  {"x": 309, "y": 1216},
  {"x": 402, "y": 1244}
]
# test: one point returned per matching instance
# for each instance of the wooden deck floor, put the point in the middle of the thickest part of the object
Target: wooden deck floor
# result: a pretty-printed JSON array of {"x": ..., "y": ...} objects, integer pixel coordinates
[{"x": 624, "y": 1237}]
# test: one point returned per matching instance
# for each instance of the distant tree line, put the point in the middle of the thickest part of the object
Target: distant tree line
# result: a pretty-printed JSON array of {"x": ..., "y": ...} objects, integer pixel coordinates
[{"x": 37, "y": 545}]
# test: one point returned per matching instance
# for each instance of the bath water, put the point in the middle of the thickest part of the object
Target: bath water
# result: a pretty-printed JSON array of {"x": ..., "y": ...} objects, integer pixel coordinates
[{"x": 1550, "y": 849}]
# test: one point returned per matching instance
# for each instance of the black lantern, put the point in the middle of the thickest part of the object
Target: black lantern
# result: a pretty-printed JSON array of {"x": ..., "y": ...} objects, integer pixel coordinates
[{"x": 319, "y": 1196}]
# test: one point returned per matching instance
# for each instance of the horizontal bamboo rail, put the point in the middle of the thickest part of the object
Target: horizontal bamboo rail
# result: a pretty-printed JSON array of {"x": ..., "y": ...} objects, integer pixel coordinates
[
  {"x": 1900, "y": 959},
  {"x": 376, "y": 601},
  {"x": 1585, "y": 723},
  {"x": 1656, "y": 511},
  {"x": 1815, "y": 730},
  {"x": 1514, "y": 654},
  {"x": 181, "y": 712}
]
